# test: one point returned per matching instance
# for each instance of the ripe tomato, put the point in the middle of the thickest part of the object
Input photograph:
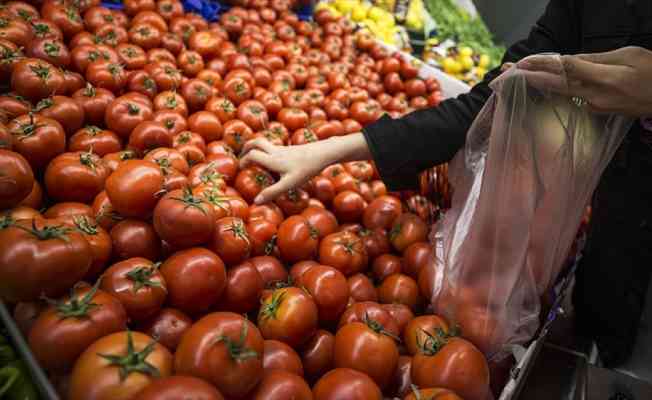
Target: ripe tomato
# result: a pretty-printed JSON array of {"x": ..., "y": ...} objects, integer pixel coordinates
[
  {"x": 106, "y": 74},
  {"x": 270, "y": 212},
  {"x": 37, "y": 138},
  {"x": 103, "y": 211},
  {"x": 18, "y": 179},
  {"x": 13, "y": 106},
  {"x": 364, "y": 346},
  {"x": 223, "y": 108},
  {"x": 184, "y": 220},
  {"x": 237, "y": 90},
  {"x": 361, "y": 288},
  {"x": 134, "y": 186},
  {"x": 293, "y": 118},
  {"x": 196, "y": 93},
  {"x": 415, "y": 258},
  {"x": 113, "y": 160},
  {"x": 35, "y": 79},
  {"x": 329, "y": 289},
  {"x": 359, "y": 312},
  {"x": 382, "y": 212},
  {"x": 68, "y": 326},
  {"x": 417, "y": 331},
  {"x": 432, "y": 393},
  {"x": 125, "y": 113},
  {"x": 253, "y": 113},
  {"x": 386, "y": 265},
  {"x": 168, "y": 159},
  {"x": 322, "y": 188},
  {"x": 15, "y": 30},
  {"x": 343, "y": 251},
  {"x": 270, "y": 269},
  {"x": 34, "y": 199},
  {"x": 100, "y": 141},
  {"x": 349, "y": 206},
  {"x": 406, "y": 230},
  {"x": 134, "y": 238},
  {"x": 139, "y": 286},
  {"x": 231, "y": 240},
  {"x": 263, "y": 237},
  {"x": 76, "y": 176},
  {"x": 289, "y": 315},
  {"x": 196, "y": 279},
  {"x": 322, "y": 220},
  {"x": 153, "y": 18},
  {"x": 243, "y": 289},
  {"x": 346, "y": 383},
  {"x": 51, "y": 50},
  {"x": 451, "y": 363},
  {"x": 293, "y": 202},
  {"x": 251, "y": 181},
  {"x": 401, "y": 289},
  {"x": 99, "y": 241},
  {"x": 168, "y": 326},
  {"x": 297, "y": 239},
  {"x": 95, "y": 17},
  {"x": 67, "y": 211},
  {"x": 317, "y": 354},
  {"x": 95, "y": 102},
  {"x": 206, "y": 124},
  {"x": 187, "y": 137},
  {"x": 176, "y": 387},
  {"x": 40, "y": 256},
  {"x": 225, "y": 349},
  {"x": 281, "y": 385},
  {"x": 118, "y": 366},
  {"x": 279, "y": 356},
  {"x": 375, "y": 241}
]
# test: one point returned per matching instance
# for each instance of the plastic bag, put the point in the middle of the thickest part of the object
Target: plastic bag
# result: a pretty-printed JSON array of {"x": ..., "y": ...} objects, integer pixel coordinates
[{"x": 531, "y": 162}]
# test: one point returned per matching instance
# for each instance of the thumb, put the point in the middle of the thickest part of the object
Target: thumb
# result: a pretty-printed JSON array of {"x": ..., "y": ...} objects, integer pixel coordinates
[{"x": 587, "y": 72}]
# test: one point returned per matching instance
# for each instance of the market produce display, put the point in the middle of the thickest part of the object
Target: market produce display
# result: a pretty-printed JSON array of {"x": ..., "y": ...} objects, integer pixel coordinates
[
  {"x": 15, "y": 380},
  {"x": 131, "y": 252}
]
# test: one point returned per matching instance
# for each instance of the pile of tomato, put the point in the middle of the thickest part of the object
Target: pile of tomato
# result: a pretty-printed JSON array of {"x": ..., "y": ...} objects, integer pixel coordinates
[{"x": 132, "y": 254}]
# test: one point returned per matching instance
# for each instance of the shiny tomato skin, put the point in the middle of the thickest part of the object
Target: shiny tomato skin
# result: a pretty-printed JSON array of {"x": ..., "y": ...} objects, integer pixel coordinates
[
  {"x": 244, "y": 286},
  {"x": 99, "y": 241},
  {"x": 133, "y": 238},
  {"x": 124, "y": 114},
  {"x": 196, "y": 279},
  {"x": 400, "y": 288},
  {"x": 100, "y": 141},
  {"x": 346, "y": 383},
  {"x": 349, "y": 206},
  {"x": 95, "y": 102},
  {"x": 63, "y": 331},
  {"x": 458, "y": 366},
  {"x": 280, "y": 356},
  {"x": 183, "y": 220},
  {"x": 203, "y": 353},
  {"x": 177, "y": 387},
  {"x": 297, "y": 239},
  {"x": 95, "y": 378},
  {"x": 66, "y": 212},
  {"x": 281, "y": 385},
  {"x": 289, "y": 315},
  {"x": 36, "y": 79},
  {"x": 358, "y": 312},
  {"x": 139, "y": 286},
  {"x": 31, "y": 266},
  {"x": 168, "y": 325},
  {"x": 382, "y": 212},
  {"x": 317, "y": 354},
  {"x": 263, "y": 237},
  {"x": 322, "y": 189},
  {"x": 406, "y": 230},
  {"x": 343, "y": 251},
  {"x": 134, "y": 186},
  {"x": 207, "y": 124},
  {"x": 322, "y": 220},
  {"x": 361, "y": 288},
  {"x": 416, "y": 331},
  {"x": 270, "y": 212},
  {"x": 386, "y": 265},
  {"x": 251, "y": 181},
  {"x": 329, "y": 289},
  {"x": 415, "y": 258},
  {"x": 231, "y": 240},
  {"x": 19, "y": 179},
  {"x": 37, "y": 138},
  {"x": 236, "y": 134},
  {"x": 78, "y": 176}
]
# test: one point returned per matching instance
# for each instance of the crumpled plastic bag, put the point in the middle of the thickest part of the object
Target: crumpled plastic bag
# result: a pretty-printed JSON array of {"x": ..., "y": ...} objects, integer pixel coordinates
[{"x": 531, "y": 162}]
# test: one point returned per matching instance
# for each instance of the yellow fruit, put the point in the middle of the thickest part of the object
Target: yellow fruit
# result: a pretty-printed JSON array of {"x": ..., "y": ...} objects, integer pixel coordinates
[
  {"x": 465, "y": 51},
  {"x": 484, "y": 61},
  {"x": 359, "y": 13},
  {"x": 466, "y": 62},
  {"x": 480, "y": 72},
  {"x": 376, "y": 13},
  {"x": 451, "y": 66},
  {"x": 345, "y": 6}
]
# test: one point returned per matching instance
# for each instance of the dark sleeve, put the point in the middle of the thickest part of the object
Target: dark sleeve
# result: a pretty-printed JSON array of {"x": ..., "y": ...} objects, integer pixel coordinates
[{"x": 401, "y": 148}]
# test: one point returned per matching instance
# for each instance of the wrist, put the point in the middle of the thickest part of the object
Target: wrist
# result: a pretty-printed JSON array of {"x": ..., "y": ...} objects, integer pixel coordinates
[{"x": 348, "y": 148}]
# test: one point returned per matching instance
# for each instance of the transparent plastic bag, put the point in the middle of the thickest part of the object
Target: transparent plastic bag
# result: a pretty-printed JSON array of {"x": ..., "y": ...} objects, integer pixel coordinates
[{"x": 531, "y": 162}]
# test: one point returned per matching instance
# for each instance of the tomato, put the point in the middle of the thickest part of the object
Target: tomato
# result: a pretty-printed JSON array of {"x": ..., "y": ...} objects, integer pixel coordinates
[
  {"x": 432, "y": 393},
  {"x": 35, "y": 79},
  {"x": 348, "y": 206},
  {"x": 251, "y": 181},
  {"x": 243, "y": 289},
  {"x": 364, "y": 346},
  {"x": 124, "y": 114},
  {"x": 40, "y": 256},
  {"x": 206, "y": 124},
  {"x": 112, "y": 160},
  {"x": 346, "y": 383},
  {"x": 67, "y": 211},
  {"x": 99, "y": 241},
  {"x": 361, "y": 288},
  {"x": 196, "y": 279},
  {"x": 364, "y": 112},
  {"x": 184, "y": 220},
  {"x": 303, "y": 136},
  {"x": 415, "y": 257},
  {"x": 76, "y": 176},
  {"x": 231, "y": 240},
  {"x": 26, "y": 313},
  {"x": 68, "y": 326},
  {"x": 34, "y": 199},
  {"x": 406, "y": 230},
  {"x": 360, "y": 312},
  {"x": 237, "y": 90},
  {"x": 96, "y": 17},
  {"x": 132, "y": 238},
  {"x": 176, "y": 387},
  {"x": 37, "y": 138},
  {"x": 386, "y": 265},
  {"x": 119, "y": 366},
  {"x": 196, "y": 92},
  {"x": 95, "y": 102},
  {"x": 293, "y": 202},
  {"x": 100, "y": 141},
  {"x": 399, "y": 288},
  {"x": 185, "y": 137},
  {"x": 168, "y": 326},
  {"x": 18, "y": 179},
  {"x": 270, "y": 269},
  {"x": 225, "y": 349},
  {"x": 329, "y": 289},
  {"x": 434, "y": 98},
  {"x": 451, "y": 363},
  {"x": 426, "y": 279},
  {"x": 263, "y": 237},
  {"x": 322, "y": 188},
  {"x": 297, "y": 239},
  {"x": 13, "y": 106},
  {"x": 236, "y": 134},
  {"x": 344, "y": 181},
  {"x": 106, "y": 74},
  {"x": 293, "y": 118},
  {"x": 280, "y": 385},
  {"x": 253, "y": 113},
  {"x": 270, "y": 212},
  {"x": 149, "y": 135},
  {"x": 223, "y": 108},
  {"x": 279, "y": 356},
  {"x": 417, "y": 331},
  {"x": 402, "y": 382},
  {"x": 164, "y": 73},
  {"x": 322, "y": 220},
  {"x": 289, "y": 315},
  {"x": 343, "y": 251},
  {"x": 172, "y": 101},
  {"x": 51, "y": 50},
  {"x": 382, "y": 212},
  {"x": 134, "y": 186},
  {"x": 168, "y": 159}
]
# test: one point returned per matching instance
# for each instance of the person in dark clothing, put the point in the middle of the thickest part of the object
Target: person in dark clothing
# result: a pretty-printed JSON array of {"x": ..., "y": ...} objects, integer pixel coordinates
[{"x": 613, "y": 277}]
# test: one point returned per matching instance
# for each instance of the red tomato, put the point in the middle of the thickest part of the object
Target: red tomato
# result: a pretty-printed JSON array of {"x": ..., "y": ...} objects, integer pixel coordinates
[
  {"x": 415, "y": 257},
  {"x": 293, "y": 118},
  {"x": 184, "y": 220},
  {"x": 95, "y": 102},
  {"x": 37, "y": 138},
  {"x": 207, "y": 124},
  {"x": 346, "y": 383},
  {"x": 223, "y": 108},
  {"x": 361, "y": 288},
  {"x": 196, "y": 280},
  {"x": 297, "y": 239},
  {"x": 399, "y": 288},
  {"x": 226, "y": 350},
  {"x": 99, "y": 241},
  {"x": 39, "y": 257},
  {"x": 18, "y": 179},
  {"x": 406, "y": 230},
  {"x": 100, "y": 141},
  {"x": 382, "y": 212},
  {"x": 348, "y": 206},
  {"x": 236, "y": 134},
  {"x": 35, "y": 79},
  {"x": 177, "y": 387},
  {"x": 139, "y": 286},
  {"x": 243, "y": 289},
  {"x": 386, "y": 265},
  {"x": 293, "y": 202},
  {"x": 270, "y": 269},
  {"x": 251, "y": 181},
  {"x": 76, "y": 176},
  {"x": 263, "y": 237},
  {"x": 134, "y": 238},
  {"x": 360, "y": 312},
  {"x": 280, "y": 356},
  {"x": 329, "y": 289},
  {"x": 107, "y": 368},
  {"x": 134, "y": 186},
  {"x": 289, "y": 315},
  {"x": 343, "y": 251},
  {"x": 281, "y": 385},
  {"x": 67, "y": 211},
  {"x": 270, "y": 212},
  {"x": 231, "y": 240},
  {"x": 417, "y": 330},
  {"x": 322, "y": 220},
  {"x": 125, "y": 113}
]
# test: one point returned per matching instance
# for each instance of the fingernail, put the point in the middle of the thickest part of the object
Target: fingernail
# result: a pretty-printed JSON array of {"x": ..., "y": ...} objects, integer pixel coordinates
[
  {"x": 259, "y": 200},
  {"x": 524, "y": 64}
]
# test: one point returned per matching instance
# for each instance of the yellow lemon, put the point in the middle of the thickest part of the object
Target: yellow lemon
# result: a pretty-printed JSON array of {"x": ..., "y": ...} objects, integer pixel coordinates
[
  {"x": 359, "y": 13},
  {"x": 484, "y": 61},
  {"x": 465, "y": 51},
  {"x": 466, "y": 62}
]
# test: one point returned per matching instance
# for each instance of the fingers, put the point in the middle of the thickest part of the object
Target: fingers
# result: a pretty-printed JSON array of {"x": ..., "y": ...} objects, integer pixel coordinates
[
  {"x": 616, "y": 57},
  {"x": 506, "y": 66},
  {"x": 259, "y": 143},
  {"x": 586, "y": 73},
  {"x": 256, "y": 156},
  {"x": 542, "y": 63},
  {"x": 270, "y": 193},
  {"x": 546, "y": 81}
]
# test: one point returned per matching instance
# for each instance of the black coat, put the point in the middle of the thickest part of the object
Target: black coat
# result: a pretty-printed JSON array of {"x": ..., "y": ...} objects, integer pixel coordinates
[{"x": 613, "y": 277}]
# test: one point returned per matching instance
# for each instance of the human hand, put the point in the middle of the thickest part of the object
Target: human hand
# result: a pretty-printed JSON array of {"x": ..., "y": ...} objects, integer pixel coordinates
[
  {"x": 297, "y": 164},
  {"x": 612, "y": 82}
]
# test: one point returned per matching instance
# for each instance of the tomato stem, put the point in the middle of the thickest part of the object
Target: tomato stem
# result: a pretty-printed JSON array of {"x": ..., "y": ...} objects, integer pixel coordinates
[
  {"x": 378, "y": 327},
  {"x": 47, "y": 232},
  {"x": 142, "y": 277},
  {"x": 191, "y": 201},
  {"x": 76, "y": 307},
  {"x": 269, "y": 310},
  {"x": 237, "y": 350},
  {"x": 84, "y": 225},
  {"x": 133, "y": 361}
]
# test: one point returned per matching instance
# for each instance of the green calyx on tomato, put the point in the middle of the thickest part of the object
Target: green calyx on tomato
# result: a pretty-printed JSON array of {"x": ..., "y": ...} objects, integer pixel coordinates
[
  {"x": 127, "y": 155},
  {"x": 239, "y": 231},
  {"x": 211, "y": 176},
  {"x": 262, "y": 180},
  {"x": 396, "y": 229},
  {"x": 85, "y": 225},
  {"x": 6, "y": 221},
  {"x": 114, "y": 69},
  {"x": 349, "y": 245},
  {"x": 25, "y": 15},
  {"x": 167, "y": 7},
  {"x": 72, "y": 14},
  {"x": 8, "y": 55},
  {"x": 378, "y": 327},
  {"x": 132, "y": 109},
  {"x": 48, "y": 232},
  {"x": 40, "y": 29},
  {"x": 171, "y": 101},
  {"x": 434, "y": 341},
  {"x": 43, "y": 104},
  {"x": 76, "y": 307},
  {"x": 191, "y": 201},
  {"x": 227, "y": 106},
  {"x": 150, "y": 84},
  {"x": 4, "y": 22},
  {"x": 87, "y": 159},
  {"x": 237, "y": 350},
  {"x": 41, "y": 71},
  {"x": 52, "y": 49},
  {"x": 269, "y": 310},
  {"x": 133, "y": 361},
  {"x": 142, "y": 277},
  {"x": 89, "y": 90},
  {"x": 92, "y": 130},
  {"x": 310, "y": 136},
  {"x": 213, "y": 197},
  {"x": 108, "y": 18},
  {"x": 270, "y": 245}
]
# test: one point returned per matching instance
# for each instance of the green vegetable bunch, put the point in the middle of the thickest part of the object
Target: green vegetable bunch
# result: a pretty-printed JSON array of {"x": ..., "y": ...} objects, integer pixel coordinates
[{"x": 15, "y": 381}]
